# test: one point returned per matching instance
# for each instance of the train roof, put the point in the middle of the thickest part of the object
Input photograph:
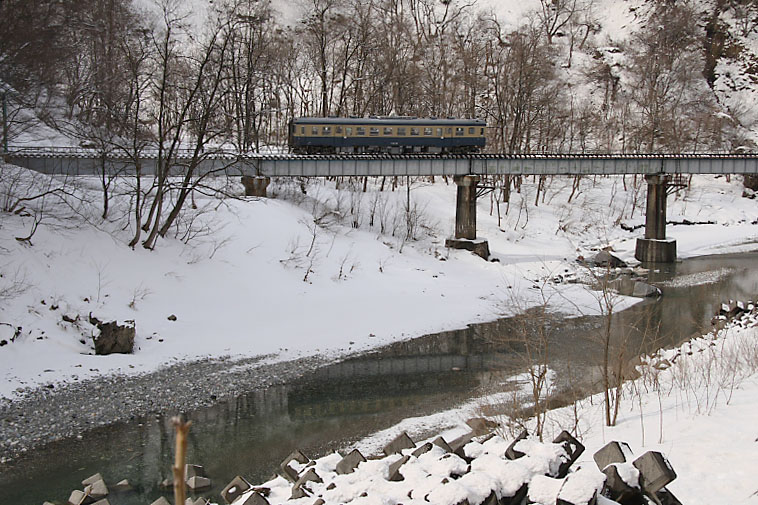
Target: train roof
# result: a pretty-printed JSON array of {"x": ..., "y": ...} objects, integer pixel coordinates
[{"x": 389, "y": 120}]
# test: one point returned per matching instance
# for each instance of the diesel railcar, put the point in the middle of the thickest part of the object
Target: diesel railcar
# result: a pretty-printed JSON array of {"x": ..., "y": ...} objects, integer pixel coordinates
[{"x": 392, "y": 135}]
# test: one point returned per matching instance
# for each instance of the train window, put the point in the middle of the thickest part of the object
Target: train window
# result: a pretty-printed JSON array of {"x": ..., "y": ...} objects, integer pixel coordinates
[
  {"x": 401, "y": 131},
  {"x": 360, "y": 130},
  {"x": 414, "y": 131},
  {"x": 388, "y": 130},
  {"x": 427, "y": 131},
  {"x": 314, "y": 130},
  {"x": 349, "y": 131},
  {"x": 482, "y": 132},
  {"x": 471, "y": 130},
  {"x": 373, "y": 131},
  {"x": 439, "y": 132},
  {"x": 459, "y": 131},
  {"x": 327, "y": 130},
  {"x": 302, "y": 130},
  {"x": 338, "y": 130},
  {"x": 449, "y": 131}
]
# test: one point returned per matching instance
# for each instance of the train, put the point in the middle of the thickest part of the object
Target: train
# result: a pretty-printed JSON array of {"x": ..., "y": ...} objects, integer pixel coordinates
[{"x": 388, "y": 135}]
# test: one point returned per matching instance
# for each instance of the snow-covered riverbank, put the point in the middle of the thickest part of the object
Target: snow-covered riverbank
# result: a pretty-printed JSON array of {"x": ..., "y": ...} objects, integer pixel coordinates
[{"x": 301, "y": 275}]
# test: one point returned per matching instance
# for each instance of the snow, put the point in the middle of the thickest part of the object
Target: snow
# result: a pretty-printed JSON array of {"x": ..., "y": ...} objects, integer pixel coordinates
[
  {"x": 248, "y": 285},
  {"x": 699, "y": 412}
]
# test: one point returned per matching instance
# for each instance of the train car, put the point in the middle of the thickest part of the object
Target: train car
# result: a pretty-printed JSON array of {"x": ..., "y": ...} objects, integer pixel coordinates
[{"x": 393, "y": 135}]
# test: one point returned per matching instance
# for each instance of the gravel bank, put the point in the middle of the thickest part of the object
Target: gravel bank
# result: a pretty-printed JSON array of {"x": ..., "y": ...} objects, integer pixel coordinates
[{"x": 46, "y": 414}]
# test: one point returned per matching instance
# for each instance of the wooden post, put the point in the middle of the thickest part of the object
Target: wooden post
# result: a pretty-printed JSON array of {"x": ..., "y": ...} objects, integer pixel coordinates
[{"x": 182, "y": 428}]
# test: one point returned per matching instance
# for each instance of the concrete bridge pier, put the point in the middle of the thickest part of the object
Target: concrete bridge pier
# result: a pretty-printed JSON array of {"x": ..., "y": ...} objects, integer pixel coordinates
[
  {"x": 255, "y": 186},
  {"x": 655, "y": 247},
  {"x": 465, "y": 218}
]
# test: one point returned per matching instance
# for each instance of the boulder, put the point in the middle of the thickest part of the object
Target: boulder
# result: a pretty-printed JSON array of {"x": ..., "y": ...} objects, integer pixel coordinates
[
  {"x": 643, "y": 290},
  {"x": 114, "y": 337},
  {"x": 606, "y": 259}
]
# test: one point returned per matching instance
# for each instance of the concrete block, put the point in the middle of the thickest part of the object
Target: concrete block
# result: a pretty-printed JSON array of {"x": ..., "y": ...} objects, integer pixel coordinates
[
  {"x": 573, "y": 449},
  {"x": 402, "y": 441},
  {"x": 491, "y": 499},
  {"x": 440, "y": 442},
  {"x": 394, "y": 470},
  {"x": 299, "y": 489},
  {"x": 78, "y": 497},
  {"x": 349, "y": 463},
  {"x": 296, "y": 455},
  {"x": 517, "y": 498},
  {"x": 666, "y": 497},
  {"x": 92, "y": 479},
  {"x": 193, "y": 471},
  {"x": 319, "y": 501},
  {"x": 121, "y": 486},
  {"x": 422, "y": 450},
  {"x": 612, "y": 452},
  {"x": 195, "y": 501},
  {"x": 166, "y": 484},
  {"x": 198, "y": 482},
  {"x": 97, "y": 490},
  {"x": 234, "y": 489},
  {"x": 104, "y": 501},
  {"x": 655, "y": 471},
  {"x": 161, "y": 501},
  {"x": 288, "y": 473},
  {"x": 457, "y": 445},
  {"x": 510, "y": 452},
  {"x": 253, "y": 498},
  {"x": 619, "y": 490}
]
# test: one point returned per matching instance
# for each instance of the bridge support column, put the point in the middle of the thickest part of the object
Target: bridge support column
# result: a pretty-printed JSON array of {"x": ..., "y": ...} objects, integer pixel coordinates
[
  {"x": 655, "y": 247},
  {"x": 255, "y": 186},
  {"x": 465, "y": 218}
]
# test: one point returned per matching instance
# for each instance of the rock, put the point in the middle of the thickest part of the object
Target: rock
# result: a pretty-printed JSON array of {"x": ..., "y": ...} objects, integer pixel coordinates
[
  {"x": 643, "y": 290},
  {"x": 655, "y": 471},
  {"x": 161, "y": 501},
  {"x": 92, "y": 479},
  {"x": 606, "y": 259},
  {"x": 97, "y": 490},
  {"x": 172, "y": 317},
  {"x": 481, "y": 426},
  {"x": 198, "y": 482},
  {"x": 234, "y": 489},
  {"x": 114, "y": 338},
  {"x": 350, "y": 462},
  {"x": 402, "y": 441}
]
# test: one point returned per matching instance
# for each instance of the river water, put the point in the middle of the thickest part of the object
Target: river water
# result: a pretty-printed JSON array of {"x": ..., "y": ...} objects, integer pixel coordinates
[{"x": 343, "y": 402}]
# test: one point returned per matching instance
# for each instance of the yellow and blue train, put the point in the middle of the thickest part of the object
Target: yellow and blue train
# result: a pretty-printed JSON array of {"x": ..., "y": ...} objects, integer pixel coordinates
[{"x": 391, "y": 135}]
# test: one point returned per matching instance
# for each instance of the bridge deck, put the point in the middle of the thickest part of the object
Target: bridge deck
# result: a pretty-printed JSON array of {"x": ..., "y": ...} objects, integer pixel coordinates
[{"x": 85, "y": 162}]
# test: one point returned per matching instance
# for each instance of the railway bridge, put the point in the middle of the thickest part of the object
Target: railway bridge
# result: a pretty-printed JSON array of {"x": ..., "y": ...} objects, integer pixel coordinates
[{"x": 661, "y": 172}]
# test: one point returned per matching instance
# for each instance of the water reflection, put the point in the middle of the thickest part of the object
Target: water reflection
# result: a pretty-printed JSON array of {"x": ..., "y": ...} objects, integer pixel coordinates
[{"x": 346, "y": 401}]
